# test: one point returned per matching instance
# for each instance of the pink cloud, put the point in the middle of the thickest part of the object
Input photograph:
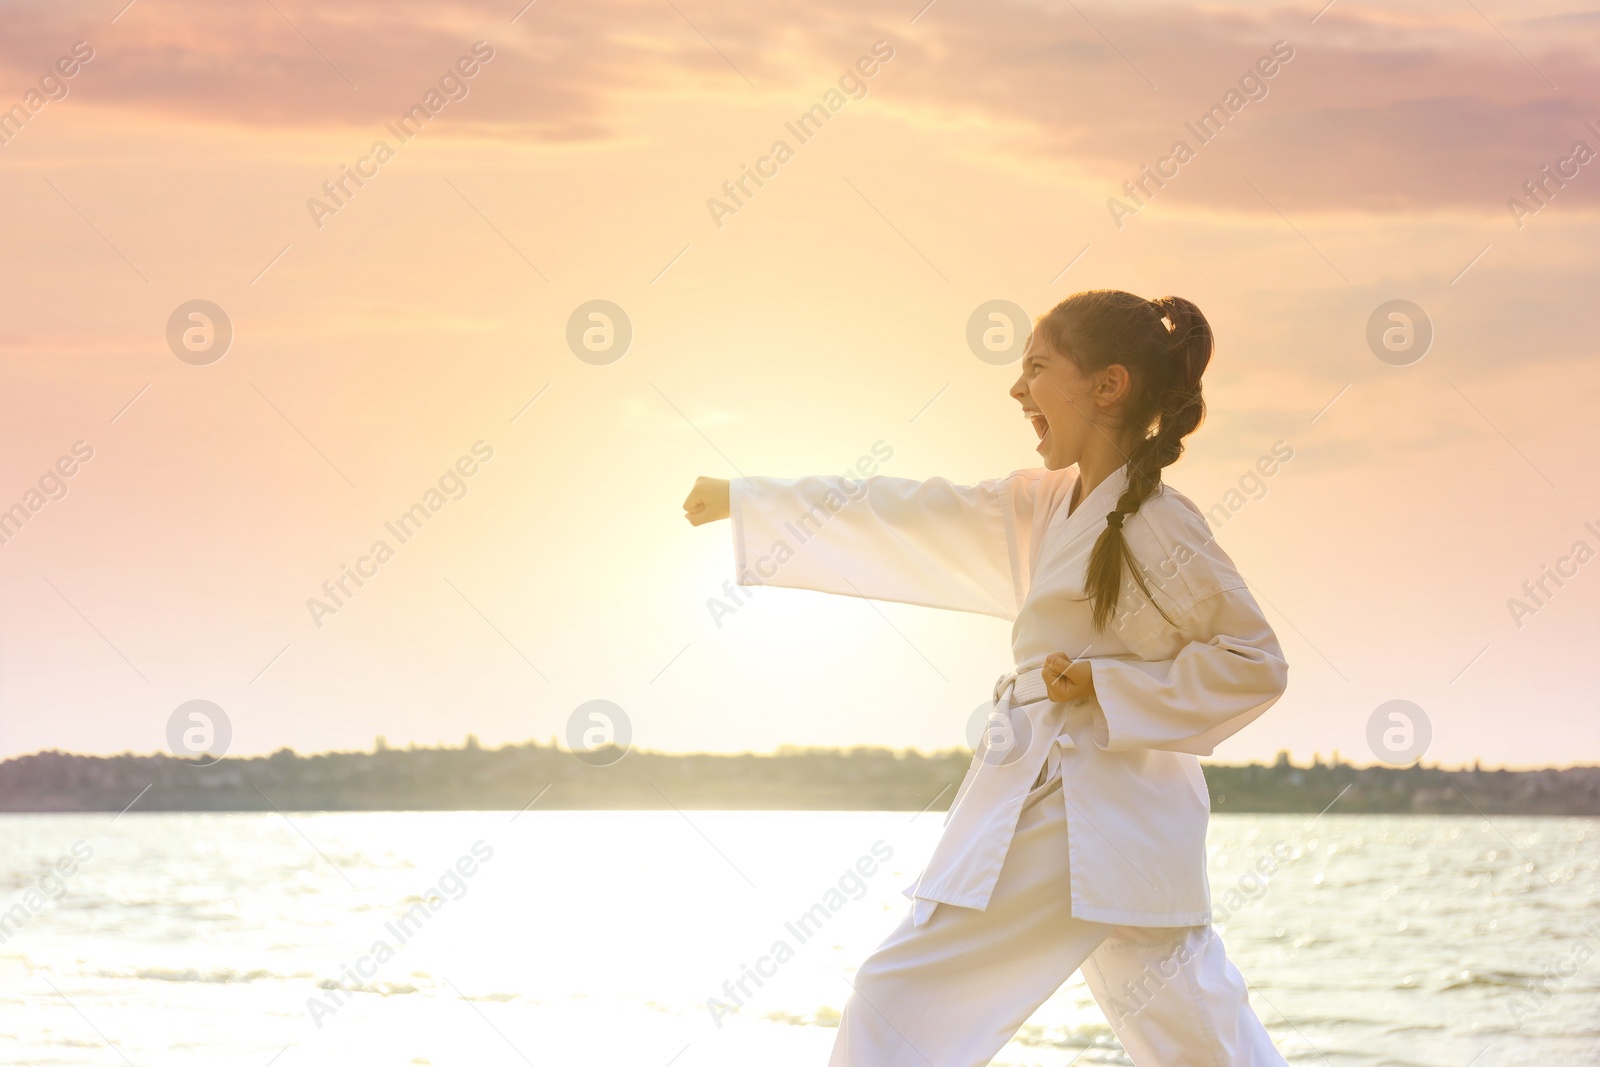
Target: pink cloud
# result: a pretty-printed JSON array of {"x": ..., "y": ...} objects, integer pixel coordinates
[{"x": 1381, "y": 109}]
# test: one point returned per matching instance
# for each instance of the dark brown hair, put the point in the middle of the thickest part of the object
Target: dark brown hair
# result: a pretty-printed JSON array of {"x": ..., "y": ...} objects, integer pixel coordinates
[{"x": 1101, "y": 327}]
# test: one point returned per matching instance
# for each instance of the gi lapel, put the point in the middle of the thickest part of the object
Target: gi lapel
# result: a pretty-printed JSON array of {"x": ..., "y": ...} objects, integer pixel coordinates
[{"x": 1090, "y": 514}]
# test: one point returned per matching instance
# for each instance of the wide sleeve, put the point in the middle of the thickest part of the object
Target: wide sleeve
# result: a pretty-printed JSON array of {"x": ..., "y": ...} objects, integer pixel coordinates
[
  {"x": 933, "y": 543},
  {"x": 1227, "y": 672}
]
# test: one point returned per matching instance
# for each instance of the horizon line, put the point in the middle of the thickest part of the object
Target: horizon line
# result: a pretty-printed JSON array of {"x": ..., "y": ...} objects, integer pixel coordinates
[{"x": 1285, "y": 756}]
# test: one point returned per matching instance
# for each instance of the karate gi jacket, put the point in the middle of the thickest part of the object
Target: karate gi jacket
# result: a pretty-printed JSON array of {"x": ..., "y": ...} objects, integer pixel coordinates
[{"x": 1166, "y": 692}]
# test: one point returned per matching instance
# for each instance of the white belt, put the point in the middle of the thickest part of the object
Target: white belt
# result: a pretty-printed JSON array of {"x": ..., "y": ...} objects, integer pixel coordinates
[
  {"x": 1027, "y": 687},
  {"x": 1028, "y": 728},
  {"x": 1019, "y": 689}
]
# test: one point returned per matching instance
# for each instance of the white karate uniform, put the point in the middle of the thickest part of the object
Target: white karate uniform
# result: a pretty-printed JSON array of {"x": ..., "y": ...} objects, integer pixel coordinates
[{"x": 1119, "y": 769}]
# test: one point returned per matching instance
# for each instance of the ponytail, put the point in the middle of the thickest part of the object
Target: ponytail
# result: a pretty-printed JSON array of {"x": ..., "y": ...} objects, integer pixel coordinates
[{"x": 1166, "y": 344}]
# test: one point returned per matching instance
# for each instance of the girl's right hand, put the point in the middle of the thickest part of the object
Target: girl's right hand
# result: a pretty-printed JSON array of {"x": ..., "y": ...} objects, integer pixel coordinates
[
  {"x": 707, "y": 501},
  {"x": 1067, "y": 680}
]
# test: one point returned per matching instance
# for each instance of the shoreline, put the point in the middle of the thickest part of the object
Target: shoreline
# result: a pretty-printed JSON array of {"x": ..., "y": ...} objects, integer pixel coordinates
[{"x": 516, "y": 778}]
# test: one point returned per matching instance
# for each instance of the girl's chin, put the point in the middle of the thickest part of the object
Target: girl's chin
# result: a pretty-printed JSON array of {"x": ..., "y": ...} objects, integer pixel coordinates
[{"x": 1053, "y": 461}]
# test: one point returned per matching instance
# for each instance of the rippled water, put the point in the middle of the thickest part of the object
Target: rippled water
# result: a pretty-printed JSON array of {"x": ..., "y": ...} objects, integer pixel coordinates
[{"x": 599, "y": 937}]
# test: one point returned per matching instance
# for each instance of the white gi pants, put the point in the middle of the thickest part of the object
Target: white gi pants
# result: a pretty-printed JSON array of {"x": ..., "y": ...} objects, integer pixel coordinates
[{"x": 952, "y": 992}]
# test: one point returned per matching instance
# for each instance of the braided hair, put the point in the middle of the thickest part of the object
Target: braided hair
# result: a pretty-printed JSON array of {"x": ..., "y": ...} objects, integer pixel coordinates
[{"x": 1165, "y": 344}]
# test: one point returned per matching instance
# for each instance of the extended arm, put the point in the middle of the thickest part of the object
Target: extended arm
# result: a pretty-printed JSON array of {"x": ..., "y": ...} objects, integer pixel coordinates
[{"x": 967, "y": 548}]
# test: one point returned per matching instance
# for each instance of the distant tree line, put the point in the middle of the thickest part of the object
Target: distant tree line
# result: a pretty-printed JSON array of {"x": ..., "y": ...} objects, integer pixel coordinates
[{"x": 514, "y": 777}]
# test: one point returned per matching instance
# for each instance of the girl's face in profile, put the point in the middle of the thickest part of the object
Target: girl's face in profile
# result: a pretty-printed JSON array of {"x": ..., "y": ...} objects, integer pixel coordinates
[{"x": 1057, "y": 399}]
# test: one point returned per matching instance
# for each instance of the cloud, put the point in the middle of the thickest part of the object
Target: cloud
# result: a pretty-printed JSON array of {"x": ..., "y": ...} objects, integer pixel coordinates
[
  {"x": 1409, "y": 156},
  {"x": 1376, "y": 112},
  {"x": 1382, "y": 109},
  {"x": 356, "y": 65}
]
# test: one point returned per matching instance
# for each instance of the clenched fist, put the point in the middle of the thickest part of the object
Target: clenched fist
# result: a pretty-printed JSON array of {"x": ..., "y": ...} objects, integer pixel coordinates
[
  {"x": 707, "y": 501},
  {"x": 1066, "y": 679}
]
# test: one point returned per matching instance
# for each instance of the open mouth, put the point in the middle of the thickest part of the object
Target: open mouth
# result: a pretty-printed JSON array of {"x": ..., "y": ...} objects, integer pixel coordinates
[{"x": 1040, "y": 425}]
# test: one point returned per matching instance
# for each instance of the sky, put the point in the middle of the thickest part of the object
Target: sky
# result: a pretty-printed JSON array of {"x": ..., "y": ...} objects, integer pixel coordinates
[{"x": 380, "y": 335}]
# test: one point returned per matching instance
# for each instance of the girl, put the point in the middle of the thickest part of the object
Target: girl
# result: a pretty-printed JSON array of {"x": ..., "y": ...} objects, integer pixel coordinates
[{"x": 1077, "y": 838}]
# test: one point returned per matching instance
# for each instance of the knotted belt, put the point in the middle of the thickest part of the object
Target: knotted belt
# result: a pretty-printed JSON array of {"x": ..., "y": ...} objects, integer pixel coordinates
[{"x": 1024, "y": 731}]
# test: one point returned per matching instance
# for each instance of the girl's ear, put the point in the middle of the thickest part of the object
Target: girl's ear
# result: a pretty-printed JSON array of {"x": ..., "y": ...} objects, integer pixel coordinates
[{"x": 1112, "y": 386}]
